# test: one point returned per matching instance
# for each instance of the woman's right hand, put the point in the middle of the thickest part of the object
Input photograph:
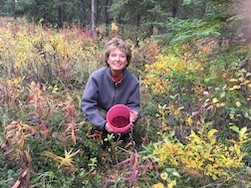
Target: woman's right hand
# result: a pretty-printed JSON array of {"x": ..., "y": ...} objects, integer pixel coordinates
[{"x": 108, "y": 128}]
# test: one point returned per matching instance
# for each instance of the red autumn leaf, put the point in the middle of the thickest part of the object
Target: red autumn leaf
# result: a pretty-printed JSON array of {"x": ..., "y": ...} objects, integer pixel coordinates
[
  {"x": 43, "y": 125},
  {"x": 30, "y": 98},
  {"x": 73, "y": 136},
  {"x": 134, "y": 169},
  {"x": 70, "y": 110},
  {"x": 144, "y": 139},
  {"x": 149, "y": 165}
]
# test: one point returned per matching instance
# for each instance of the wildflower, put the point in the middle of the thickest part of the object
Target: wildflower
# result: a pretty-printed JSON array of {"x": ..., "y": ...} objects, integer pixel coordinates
[
  {"x": 158, "y": 185},
  {"x": 163, "y": 176},
  {"x": 215, "y": 100},
  {"x": 238, "y": 104}
]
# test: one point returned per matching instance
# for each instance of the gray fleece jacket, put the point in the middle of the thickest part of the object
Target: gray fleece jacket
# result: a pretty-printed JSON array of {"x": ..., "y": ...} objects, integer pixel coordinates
[{"x": 102, "y": 92}]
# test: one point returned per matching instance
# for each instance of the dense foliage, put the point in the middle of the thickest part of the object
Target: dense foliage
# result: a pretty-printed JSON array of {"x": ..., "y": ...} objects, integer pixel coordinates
[
  {"x": 194, "y": 129},
  {"x": 193, "y": 61}
]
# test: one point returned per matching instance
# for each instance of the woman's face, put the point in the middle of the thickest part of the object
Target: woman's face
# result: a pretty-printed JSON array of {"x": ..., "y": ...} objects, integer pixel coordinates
[{"x": 117, "y": 61}]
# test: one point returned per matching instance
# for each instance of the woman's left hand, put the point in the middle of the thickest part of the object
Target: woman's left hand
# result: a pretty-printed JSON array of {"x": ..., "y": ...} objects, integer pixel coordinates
[{"x": 133, "y": 116}]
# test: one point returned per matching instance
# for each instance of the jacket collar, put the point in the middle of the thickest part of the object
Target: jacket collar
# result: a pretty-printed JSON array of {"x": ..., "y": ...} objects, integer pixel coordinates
[{"x": 108, "y": 72}]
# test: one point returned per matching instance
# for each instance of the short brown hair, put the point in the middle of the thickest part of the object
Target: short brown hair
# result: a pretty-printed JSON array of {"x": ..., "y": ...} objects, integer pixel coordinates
[{"x": 121, "y": 45}]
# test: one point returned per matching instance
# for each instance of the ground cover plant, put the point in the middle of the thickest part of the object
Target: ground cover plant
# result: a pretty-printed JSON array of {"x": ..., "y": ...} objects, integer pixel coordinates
[{"x": 195, "y": 124}]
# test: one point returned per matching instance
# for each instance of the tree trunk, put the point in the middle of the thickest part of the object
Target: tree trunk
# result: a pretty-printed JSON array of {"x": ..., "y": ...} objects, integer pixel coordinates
[
  {"x": 60, "y": 16},
  {"x": 82, "y": 13},
  {"x": 106, "y": 16},
  {"x": 93, "y": 18}
]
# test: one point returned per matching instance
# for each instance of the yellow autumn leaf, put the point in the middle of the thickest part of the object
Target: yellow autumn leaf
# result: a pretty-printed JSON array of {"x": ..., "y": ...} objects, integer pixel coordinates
[
  {"x": 215, "y": 100},
  {"x": 189, "y": 121},
  {"x": 237, "y": 149},
  {"x": 233, "y": 80},
  {"x": 172, "y": 183},
  {"x": 195, "y": 138},
  {"x": 211, "y": 133},
  {"x": 19, "y": 63},
  {"x": 222, "y": 94},
  {"x": 242, "y": 133},
  {"x": 158, "y": 185},
  {"x": 235, "y": 87},
  {"x": 238, "y": 104},
  {"x": 246, "y": 82},
  {"x": 66, "y": 161},
  {"x": 114, "y": 27},
  {"x": 218, "y": 105}
]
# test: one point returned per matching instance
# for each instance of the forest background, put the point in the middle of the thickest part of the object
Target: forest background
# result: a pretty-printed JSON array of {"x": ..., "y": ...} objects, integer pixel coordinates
[{"x": 193, "y": 61}]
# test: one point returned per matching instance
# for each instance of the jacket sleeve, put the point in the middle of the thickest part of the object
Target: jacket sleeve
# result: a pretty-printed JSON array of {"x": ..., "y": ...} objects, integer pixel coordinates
[
  {"x": 134, "y": 100},
  {"x": 89, "y": 104}
]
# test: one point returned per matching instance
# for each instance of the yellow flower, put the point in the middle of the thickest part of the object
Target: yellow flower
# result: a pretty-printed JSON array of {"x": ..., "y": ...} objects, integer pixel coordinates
[
  {"x": 238, "y": 104},
  {"x": 163, "y": 175},
  {"x": 215, "y": 100},
  {"x": 158, "y": 185}
]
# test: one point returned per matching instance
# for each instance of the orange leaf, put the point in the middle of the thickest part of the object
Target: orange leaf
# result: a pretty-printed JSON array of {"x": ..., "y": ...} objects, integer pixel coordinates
[{"x": 30, "y": 98}]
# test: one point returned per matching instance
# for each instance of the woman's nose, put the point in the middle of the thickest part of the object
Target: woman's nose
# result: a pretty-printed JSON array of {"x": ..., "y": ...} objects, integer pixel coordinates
[{"x": 117, "y": 58}]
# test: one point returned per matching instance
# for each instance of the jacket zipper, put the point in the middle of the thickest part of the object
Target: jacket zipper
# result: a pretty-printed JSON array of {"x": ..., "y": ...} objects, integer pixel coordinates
[{"x": 115, "y": 90}]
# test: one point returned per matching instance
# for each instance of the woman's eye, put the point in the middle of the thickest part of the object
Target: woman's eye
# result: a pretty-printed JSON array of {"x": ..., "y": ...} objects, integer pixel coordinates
[{"x": 115, "y": 55}]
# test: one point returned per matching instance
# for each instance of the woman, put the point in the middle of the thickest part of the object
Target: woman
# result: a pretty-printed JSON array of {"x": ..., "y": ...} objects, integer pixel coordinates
[{"x": 111, "y": 85}]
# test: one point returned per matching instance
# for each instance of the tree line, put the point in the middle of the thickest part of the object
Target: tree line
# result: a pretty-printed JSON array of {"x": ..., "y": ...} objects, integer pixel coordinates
[{"x": 147, "y": 16}]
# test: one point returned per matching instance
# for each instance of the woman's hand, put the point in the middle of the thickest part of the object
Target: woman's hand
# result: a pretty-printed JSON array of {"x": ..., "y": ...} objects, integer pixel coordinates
[
  {"x": 133, "y": 116},
  {"x": 108, "y": 128}
]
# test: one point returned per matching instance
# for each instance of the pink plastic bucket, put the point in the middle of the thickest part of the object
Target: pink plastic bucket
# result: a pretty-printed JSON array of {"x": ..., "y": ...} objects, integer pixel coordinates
[{"x": 118, "y": 118}]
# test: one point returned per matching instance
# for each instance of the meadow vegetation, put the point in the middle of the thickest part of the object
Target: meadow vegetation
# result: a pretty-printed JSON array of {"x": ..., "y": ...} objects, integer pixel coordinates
[{"x": 194, "y": 130}]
